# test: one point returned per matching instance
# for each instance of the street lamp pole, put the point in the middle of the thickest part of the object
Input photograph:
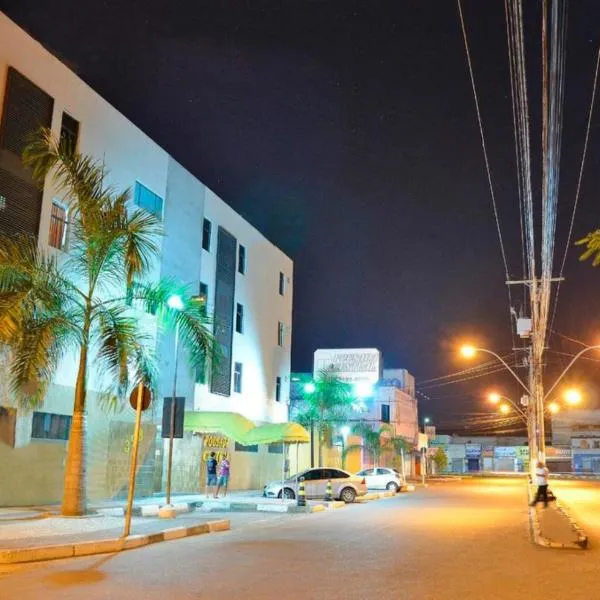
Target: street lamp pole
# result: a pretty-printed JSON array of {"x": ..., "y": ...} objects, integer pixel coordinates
[
  {"x": 172, "y": 418},
  {"x": 168, "y": 512}
]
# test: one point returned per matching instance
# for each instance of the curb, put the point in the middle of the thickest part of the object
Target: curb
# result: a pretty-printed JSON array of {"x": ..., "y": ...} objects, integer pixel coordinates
[
  {"x": 582, "y": 542},
  {"x": 41, "y": 553}
]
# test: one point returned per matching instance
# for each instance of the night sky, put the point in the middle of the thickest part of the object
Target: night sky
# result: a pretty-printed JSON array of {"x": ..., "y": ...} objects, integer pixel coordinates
[{"x": 346, "y": 132}]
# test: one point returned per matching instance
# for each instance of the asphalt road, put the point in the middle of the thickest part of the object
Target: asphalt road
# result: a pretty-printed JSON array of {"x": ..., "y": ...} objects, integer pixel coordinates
[{"x": 454, "y": 540}]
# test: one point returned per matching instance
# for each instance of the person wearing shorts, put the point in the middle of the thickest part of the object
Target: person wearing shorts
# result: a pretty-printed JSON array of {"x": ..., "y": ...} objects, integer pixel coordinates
[
  {"x": 224, "y": 470},
  {"x": 211, "y": 473}
]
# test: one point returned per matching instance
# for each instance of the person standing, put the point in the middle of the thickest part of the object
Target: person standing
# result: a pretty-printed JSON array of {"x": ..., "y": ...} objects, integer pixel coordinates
[
  {"x": 541, "y": 480},
  {"x": 224, "y": 470},
  {"x": 211, "y": 473}
]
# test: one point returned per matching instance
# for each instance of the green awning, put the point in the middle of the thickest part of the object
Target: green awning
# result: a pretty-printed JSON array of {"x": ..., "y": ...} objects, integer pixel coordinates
[
  {"x": 242, "y": 430},
  {"x": 270, "y": 433}
]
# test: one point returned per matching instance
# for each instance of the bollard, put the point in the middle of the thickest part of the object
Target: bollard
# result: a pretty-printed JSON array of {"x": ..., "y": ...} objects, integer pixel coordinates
[
  {"x": 328, "y": 492},
  {"x": 301, "y": 493}
]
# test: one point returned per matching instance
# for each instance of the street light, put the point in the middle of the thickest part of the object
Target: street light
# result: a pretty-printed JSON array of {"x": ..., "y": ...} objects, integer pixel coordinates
[
  {"x": 553, "y": 407},
  {"x": 468, "y": 351},
  {"x": 504, "y": 409},
  {"x": 168, "y": 511},
  {"x": 309, "y": 387},
  {"x": 573, "y": 396},
  {"x": 426, "y": 420},
  {"x": 494, "y": 397}
]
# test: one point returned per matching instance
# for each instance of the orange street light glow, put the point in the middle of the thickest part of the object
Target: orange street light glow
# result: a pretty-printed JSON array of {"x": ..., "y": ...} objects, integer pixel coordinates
[
  {"x": 468, "y": 351},
  {"x": 554, "y": 407},
  {"x": 494, "y": 397},
  {"x": 573, "y": 396},
  {"x": 505, "y": 409}
]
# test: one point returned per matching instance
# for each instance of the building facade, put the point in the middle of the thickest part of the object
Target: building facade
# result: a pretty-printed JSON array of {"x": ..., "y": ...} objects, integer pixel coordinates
[{"x": 247, "y": 283}]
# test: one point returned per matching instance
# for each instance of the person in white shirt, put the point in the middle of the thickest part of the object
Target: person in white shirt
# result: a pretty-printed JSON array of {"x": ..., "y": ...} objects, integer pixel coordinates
[{"x": 541, "y": 480}]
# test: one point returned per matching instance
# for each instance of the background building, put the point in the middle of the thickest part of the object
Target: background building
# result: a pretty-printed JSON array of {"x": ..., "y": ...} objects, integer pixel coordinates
[{"x": 247, "y": 281}]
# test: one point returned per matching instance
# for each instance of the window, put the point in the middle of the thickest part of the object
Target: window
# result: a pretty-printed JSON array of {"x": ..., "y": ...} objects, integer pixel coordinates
[
  {"x": 281, "y": 284},
  {"x": 314, "y": 474},
  {"x": 206, "y": 233},
  {"x": 58, "y": 225},
  {"x": 69, "y": 132},
  {"x": 203, "y": 295},
  {"x": 280, "y": 333},
  {"x": 366, "y": 473},
  {"x": 335, "y": 474},
  {"x": 241, "y": 259},
  {"x": 242, "y": 448},
  {"x": 48, "y": 426},
  {"x": 278, "y": 389},
  {"x": 385, "y": 413},
  {"x": 237, "y": 378},
  {"x": 147, "y": 200},
  {"x": 276, "y": 448},
  {"x": 239, "y": 318}
]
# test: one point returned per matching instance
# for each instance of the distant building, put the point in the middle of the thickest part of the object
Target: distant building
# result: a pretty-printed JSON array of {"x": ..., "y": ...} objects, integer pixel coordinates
[{"x": 576, "y": 440}]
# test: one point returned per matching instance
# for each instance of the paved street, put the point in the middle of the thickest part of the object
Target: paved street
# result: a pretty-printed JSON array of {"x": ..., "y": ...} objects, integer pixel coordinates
[{"x": 462, "y": 539}]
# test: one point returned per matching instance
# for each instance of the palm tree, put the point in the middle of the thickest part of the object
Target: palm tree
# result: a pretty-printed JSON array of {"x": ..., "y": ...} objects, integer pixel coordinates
[
  {"x": 374, "y": 441},
  {"x": 592, "y": 243},
  {"x": 91, "y": 302},
  {"x": 329, "y": 401}
]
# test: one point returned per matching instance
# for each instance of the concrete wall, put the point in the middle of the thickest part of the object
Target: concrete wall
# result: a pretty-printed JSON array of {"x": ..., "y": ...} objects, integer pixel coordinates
[{"x": 258, "y": 292}]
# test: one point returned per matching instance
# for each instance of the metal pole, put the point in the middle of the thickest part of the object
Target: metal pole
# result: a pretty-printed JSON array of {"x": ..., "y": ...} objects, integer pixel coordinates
[
  {"x": 312, "y": 444},
  {"x": 172, "y": 425},
  {"x": 423, "y": 465},
  {"x": 283, "y": 473},
  {"x": 133, "y": 460}
]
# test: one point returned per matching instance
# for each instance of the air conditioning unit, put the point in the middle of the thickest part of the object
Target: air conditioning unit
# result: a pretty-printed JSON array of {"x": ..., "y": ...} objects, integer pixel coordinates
[{"x": 523, "y": 327}]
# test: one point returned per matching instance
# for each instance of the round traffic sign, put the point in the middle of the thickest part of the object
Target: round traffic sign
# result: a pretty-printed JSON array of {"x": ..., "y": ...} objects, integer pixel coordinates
[{"x": 146, "y": 398}]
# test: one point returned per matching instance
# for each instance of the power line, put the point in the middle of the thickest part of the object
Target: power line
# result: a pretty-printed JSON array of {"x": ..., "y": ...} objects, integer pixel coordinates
[
  {"x": 484, "y": 365},
  {"x": 578, "y": 189},
  {"x": 500, "y": 369},
  {"x": 487, "y": 163}
]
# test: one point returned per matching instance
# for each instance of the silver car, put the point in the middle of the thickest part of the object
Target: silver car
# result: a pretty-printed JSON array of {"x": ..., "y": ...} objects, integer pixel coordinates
[{"x": 345, "y": 487}]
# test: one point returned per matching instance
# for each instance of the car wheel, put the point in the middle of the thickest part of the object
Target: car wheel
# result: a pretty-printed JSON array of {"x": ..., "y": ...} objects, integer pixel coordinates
[
  {"x": 392, "y": 486},
  {"x": 348, "y": 495},
  {"x": 288, "y": 494}
]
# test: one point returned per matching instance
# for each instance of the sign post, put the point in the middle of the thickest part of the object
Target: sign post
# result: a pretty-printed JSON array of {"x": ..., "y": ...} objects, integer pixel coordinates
[{"x": 142, "y": 399}]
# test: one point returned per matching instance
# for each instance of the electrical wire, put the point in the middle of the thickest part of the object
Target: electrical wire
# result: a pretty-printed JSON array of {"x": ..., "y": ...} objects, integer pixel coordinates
[
  {"x": 487, "y": 164},
  {"x": 500, "y": 369},
  {"x": 578, "y": 189}
]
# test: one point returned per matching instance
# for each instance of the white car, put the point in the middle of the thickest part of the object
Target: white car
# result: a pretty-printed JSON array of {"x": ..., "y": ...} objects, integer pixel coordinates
[{"x": 382, "y": 478}]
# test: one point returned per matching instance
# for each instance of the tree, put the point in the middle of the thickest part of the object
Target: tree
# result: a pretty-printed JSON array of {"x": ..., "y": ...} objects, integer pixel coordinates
[
  {"x": 374, "y": 441},
  {"x": 440, "y": 459},
  {"x": 91, "y": 302},
  {"x": 328, "y": 400},
  {"x": 592, "y": 243}
]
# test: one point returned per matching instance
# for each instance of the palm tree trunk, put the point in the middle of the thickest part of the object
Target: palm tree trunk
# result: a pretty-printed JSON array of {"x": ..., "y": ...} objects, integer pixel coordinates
[{"x": 74, "y": 500}]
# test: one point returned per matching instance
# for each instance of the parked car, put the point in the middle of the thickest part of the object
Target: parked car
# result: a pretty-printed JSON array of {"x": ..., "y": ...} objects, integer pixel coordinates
[
  {"x": 345, "y": 486},
  {"x": 382, "y": 478}
]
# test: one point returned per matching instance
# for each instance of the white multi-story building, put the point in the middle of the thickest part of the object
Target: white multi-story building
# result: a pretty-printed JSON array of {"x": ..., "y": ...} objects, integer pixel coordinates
[{"x": 246, "y": 280}]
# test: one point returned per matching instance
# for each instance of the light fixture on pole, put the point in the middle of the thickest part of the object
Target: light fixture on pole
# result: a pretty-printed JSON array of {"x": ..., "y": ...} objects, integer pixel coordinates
[
  {"x": 573, "y": 396},
  {"x": 168, "y": 511}
]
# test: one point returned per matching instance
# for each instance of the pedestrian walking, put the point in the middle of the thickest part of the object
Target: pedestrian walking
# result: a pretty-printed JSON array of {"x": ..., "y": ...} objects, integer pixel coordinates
[
  {"x": 211, "y": 473},
  {"x": 541, "y": 480},
  {"x": 224, "y": 470}
]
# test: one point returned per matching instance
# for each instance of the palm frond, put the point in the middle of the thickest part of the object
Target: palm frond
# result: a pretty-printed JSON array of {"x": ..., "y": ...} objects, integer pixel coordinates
[
  {"x": 592, "y": 243},
  {"x": 79, "y": 176},
  {"x": 44, "y": 341},
  {"x": 141, "y": 233},
  {"x": 118, "y": 337}
]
